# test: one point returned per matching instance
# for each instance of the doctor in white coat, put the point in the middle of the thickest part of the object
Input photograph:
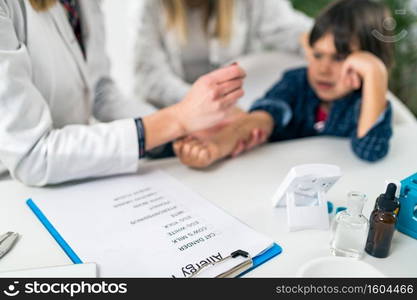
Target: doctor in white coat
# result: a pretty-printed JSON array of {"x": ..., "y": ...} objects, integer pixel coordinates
[
  {"x": 178, "y": 40},
  {"x": 54, "y": 77}
]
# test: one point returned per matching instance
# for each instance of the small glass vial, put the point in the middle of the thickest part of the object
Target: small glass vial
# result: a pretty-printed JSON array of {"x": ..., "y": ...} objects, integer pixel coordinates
[
  {"x": 350, "y": 228},
  {"x": 382, "y": 223}
]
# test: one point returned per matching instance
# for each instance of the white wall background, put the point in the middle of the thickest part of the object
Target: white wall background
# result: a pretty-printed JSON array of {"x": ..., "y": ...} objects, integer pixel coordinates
[{"x": 120, "y": 23}]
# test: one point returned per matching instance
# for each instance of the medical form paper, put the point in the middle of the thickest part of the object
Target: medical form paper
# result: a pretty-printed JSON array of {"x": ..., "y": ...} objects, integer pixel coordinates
[{"x": 147, "y": 225}]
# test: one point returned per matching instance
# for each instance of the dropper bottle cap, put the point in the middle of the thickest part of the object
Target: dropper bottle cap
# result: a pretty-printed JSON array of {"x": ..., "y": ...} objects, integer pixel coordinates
[{"x": 387, "y": 201}]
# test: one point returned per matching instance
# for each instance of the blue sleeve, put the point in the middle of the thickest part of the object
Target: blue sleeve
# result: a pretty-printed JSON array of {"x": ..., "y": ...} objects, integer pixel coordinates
[
  {"x": 277, "y": 102},
  {"x": 375, "y": 144}
]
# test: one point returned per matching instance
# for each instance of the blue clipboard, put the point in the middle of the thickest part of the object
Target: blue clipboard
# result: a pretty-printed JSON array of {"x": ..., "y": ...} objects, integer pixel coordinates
[
  {"x": 55, "y": 234},
  {"x": 264, "y": 257},
  {"x": 273, "y": 251}
]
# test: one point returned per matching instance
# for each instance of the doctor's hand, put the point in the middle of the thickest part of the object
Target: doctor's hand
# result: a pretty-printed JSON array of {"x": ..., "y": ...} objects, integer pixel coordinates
[
  {"x": 211, "y": 99},
  {"x": 201, "y": 152},
  {"x": 245, "y": 132}
]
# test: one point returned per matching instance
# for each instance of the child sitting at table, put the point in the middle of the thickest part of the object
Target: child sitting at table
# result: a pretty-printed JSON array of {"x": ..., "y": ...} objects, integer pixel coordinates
[{"x": 341, "y": 93}]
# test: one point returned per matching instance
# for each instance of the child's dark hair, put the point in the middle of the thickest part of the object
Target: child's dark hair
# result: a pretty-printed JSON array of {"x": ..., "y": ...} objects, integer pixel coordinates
[{"x": 354, "y": 21}]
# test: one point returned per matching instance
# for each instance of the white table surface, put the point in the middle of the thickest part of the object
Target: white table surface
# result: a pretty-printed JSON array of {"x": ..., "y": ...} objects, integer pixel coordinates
[{"x": 243, "y": 187}]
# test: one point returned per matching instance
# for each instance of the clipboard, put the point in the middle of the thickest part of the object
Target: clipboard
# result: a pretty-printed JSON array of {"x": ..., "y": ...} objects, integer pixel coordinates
[{"x": 243, "y": 268}]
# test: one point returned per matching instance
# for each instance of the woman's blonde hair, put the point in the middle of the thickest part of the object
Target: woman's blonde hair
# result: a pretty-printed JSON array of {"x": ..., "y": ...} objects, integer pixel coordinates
[
  {"x": 222, "y": 10},
  {"x": 42, "y": 5}
]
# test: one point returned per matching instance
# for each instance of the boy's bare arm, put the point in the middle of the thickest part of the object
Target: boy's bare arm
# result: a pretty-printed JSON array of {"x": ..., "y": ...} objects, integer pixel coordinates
[
  {"x": 374, "y": 77},
  {"x": 242, "y": 131},
  {"x": 200, "y": 153},
  {"x": 374, "y": 100}
]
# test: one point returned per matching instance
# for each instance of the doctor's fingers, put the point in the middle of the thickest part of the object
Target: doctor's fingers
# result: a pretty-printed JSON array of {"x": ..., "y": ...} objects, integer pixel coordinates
[
  {"x": 180, "y": 143},
  {"x": 204, "y": 158},
  {"x": 190, "y": 147},
  {"x": 195, "y": 155},
  {"x": 201, "y": 161},
  {"x": 226, "y": 74},
  {"x": 177, "y": 146},
  {"x": 229, "y": 100},
  {"x": 228, "y": 87},
  {"x": 200, "y": 156}
]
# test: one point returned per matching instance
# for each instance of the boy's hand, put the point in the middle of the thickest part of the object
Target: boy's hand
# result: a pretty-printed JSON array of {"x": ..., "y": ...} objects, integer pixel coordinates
[
  {"x": 373, "y": 74},
  {"x": 260, "y": 127},
  {"x": 361, "y": 66},
  {"x": 258, "y": 136}
]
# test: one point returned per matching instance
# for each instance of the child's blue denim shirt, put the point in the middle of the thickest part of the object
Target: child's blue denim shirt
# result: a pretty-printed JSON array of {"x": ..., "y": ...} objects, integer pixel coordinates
[{"x": 293, "y": 104}]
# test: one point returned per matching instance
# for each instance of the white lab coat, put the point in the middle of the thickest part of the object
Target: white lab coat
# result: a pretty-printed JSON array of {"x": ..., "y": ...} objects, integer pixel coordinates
[
  {"x": 258, "y": 25},
  {"x": 48, "y": 94}
]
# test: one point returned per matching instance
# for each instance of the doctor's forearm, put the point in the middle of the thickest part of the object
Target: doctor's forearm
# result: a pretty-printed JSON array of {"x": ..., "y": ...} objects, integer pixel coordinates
[{"x": 162, "y": 127}]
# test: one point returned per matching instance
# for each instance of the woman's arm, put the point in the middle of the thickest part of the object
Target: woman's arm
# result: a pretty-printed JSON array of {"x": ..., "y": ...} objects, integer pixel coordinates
[{"x": 36, "y": 153}]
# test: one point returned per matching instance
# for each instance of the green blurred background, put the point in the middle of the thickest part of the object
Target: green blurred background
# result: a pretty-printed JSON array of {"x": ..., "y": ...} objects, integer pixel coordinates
[{"x": 403, "y": 82}]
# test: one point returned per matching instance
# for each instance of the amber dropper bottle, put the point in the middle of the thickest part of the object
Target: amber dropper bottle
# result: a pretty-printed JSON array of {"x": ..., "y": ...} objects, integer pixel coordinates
[{"x": 382, "y": 224}]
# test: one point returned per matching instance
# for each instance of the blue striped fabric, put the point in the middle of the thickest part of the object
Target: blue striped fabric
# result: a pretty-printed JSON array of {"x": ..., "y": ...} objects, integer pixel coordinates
[
  {"x": 74, "y": 19},
  {"x": 292, "y": 103}
]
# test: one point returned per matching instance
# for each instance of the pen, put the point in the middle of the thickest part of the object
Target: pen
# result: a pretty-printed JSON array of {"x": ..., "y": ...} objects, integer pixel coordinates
[{"x": 7, "y": 241}]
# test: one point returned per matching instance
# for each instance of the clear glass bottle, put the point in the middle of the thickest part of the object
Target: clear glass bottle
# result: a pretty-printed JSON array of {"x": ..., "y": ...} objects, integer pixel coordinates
[{"x": 350, "y": 228}]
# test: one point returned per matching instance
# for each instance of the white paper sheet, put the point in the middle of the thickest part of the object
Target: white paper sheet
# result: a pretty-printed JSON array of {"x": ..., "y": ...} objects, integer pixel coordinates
[
  {"x": 87, "y": 270},
  {"x": 147, "y": 225}
]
